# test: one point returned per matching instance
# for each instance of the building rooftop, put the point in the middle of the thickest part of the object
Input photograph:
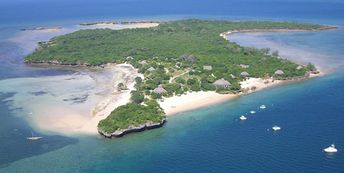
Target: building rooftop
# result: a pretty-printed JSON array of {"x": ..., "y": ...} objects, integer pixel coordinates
[
  {"x": 222, "y": 83},
  {"x": 244, "y": 74},
  {"x": 207, "y": 67},
  {"x": 279, "y": 72},
  {"x": 159, "y": 90}
]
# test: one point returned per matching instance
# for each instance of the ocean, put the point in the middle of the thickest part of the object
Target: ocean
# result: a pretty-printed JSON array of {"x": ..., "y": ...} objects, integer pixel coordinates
[{"x": 210, "y": 139}]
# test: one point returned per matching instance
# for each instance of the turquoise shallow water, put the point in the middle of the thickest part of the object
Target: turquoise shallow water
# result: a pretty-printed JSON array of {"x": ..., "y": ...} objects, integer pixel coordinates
[
  {"x": 210, "y": 139},
  {"x": 321, "y": 48},
  {"x": 213, "y": 140}
]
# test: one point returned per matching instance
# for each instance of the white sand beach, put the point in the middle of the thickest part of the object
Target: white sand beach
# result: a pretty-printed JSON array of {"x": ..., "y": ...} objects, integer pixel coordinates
[
  {"x": 114, "y": 99},
  {"x": 70, "y": 104},
  {"x": 108, "y": 99},
  {"x": 190, "y": 101},
  {"x": 194, "y": 100},
  {"x": 120, "y": 26}
]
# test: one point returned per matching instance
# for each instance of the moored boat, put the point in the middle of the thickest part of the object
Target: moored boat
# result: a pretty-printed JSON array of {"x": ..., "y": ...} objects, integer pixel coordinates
[
  {"x": 243, "y": 118},
  {"x": 262, "y": 107},
  {"x": 276, "y": 128},
  {"x": 331, "y": 149}
]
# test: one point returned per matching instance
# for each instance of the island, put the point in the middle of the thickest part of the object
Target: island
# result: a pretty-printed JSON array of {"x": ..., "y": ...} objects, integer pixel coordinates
[{"x": 175, "y": 58}]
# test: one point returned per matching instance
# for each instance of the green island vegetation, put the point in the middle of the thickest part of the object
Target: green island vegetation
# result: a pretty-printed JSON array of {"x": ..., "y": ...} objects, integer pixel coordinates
[
  {"x": 175, "y": 57},
  {"x": 132, "y": 114}
]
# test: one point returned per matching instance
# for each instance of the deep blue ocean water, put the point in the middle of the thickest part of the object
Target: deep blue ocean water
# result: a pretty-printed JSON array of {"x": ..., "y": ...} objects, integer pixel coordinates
[{"x": 210, "y": 139}]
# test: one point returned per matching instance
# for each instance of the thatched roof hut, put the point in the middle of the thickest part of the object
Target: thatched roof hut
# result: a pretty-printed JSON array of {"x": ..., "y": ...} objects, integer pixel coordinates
[
  {"x": 150, "y": 69},
  {"x": 143, "y": 62},
  {"x": 189, "y": 58},
  {"x": 279, "y": 72},
  {"x": 207, "y": 67},
  {"x": 222, "y": 83},
  {"x": 159, "y": 90},
  {"x": 299, "y": 67},
  {"x": 244, "y": 74},
  {"x": 129, "y": 58}
]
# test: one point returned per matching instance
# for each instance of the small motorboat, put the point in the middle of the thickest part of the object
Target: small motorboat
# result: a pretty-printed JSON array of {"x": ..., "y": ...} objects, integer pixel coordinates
[
  {"x": 252, "y": 112},
  {"x": 331, "y": 149},
  {"x": 276, "y": 128},
  {"x": 243, "y": 118},
  {"x": 262, "y": 107}
]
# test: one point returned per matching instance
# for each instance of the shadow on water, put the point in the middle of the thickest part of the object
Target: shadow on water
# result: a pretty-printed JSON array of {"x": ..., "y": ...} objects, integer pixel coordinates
[{"x": 13, "y": 134}]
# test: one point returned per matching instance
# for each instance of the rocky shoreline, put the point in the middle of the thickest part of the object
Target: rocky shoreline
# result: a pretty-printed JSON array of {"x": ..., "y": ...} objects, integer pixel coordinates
[{"x": 133, "y": 129}]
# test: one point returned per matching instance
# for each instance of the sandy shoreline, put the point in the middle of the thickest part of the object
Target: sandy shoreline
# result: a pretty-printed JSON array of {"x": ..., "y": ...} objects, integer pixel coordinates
[
  {"x": 194, "y": 100},
  {"x": 108, "y": 101},
  {"x": 120, "y": 26},
  {"x": 228, "y": 33},
  {"x": 104, "y": 102},
  {"x": 114, "y": 99},
  {"x": 191, "y": 101},
  {"x": 70, "y": 104}
]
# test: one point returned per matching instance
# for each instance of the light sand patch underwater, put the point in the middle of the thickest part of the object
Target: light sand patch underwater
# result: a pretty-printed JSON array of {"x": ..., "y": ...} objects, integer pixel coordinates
[
  {"x": 28, "y": 39},
  {"x": 70, "y": 104},
  {"x": 297, "y": 52}
]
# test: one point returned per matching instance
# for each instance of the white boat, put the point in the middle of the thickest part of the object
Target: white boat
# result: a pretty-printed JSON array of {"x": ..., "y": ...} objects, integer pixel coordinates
[
  {"x": 276, "y": 128},
  {"x": 262, "y": 107},
  {"x": 252, "y": 112},
  {"x": 34, "y": 138},
  {"x": 331, "y": 149},
  {"x": 243, "y": 118}
]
